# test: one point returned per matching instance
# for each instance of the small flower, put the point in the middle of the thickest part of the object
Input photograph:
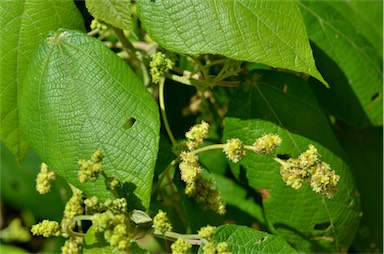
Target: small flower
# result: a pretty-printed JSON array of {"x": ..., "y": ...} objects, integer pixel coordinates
[
  {"x": 309, "y": 158},
  {"x": 189, "y": 167},
  {"x": 222, "y": 248},
  {"x": 73, "y": 207},
  {"x": 90, "y": 169},
  {"x": 292, "y": 175},
  {"x": 44, "y": 179},
  {"x": 207, "y": 232},
  {"x": 196, "y": 135},
  {"x": 161, "y": 222},
  {"x": 160, "y": 65},
  {"x": 180, "y": 247},
  {"x": 15, "y": 232},
  {"x": 117, "y": 206},
  {"x": 205, "y": 192},
  {"x": 234, "y": 149},
  {"x": 46, "y": 228},
  {"x": 209, "y": 248},
  {"x": 72, "y": 245},
  {"x": 324, "y": 180},
  {"x": 267, "y": 143},
  {"x": 93, "y": 205}
]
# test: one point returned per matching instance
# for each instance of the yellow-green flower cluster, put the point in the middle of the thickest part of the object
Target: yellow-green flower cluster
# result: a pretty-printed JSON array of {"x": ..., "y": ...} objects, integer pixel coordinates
[
  {"x": 196, "y": 135},
  {"x": 46, "y": 228},
  {"x": 180, "y": 246},
  {"x": 72, "y": 245},
  {"x": 234, "y": 149},
  {"x": 44, "y": 179},
  {"x": 116, "y": 229},
  {"x": 98, "y": 24},
  {"x": 160, "y": 65},
  {"x": 161, "y": 222},
  {"x": 90, "y": 169},
  {"x": 189, "y": 166},
  {"x": 210, "y": 247},
  {"x": 207, "y": 232},
  {"x": 15, "y": 232},
  {"x": 204, "y": 191},
  {"x": 267, "y": 143},
  {"x": 73, "y": 207},
  {"x": 309, "y": 168}
]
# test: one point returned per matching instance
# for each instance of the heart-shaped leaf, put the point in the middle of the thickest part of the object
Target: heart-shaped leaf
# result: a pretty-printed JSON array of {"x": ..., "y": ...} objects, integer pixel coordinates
[
  {"x": 284, "y": 104},
  {"x": 80, "y": 97},
  {"x": 268, "y": 32},
  {"x": 23, "y": 25}
]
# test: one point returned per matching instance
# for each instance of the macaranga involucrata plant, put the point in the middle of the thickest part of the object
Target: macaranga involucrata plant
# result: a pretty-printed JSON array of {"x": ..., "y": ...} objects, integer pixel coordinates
[{"x": 194, "y": 126}]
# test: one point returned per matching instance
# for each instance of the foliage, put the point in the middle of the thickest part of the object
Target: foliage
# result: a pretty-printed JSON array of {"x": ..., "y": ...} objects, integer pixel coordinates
[{"x": 218, "y": 126}]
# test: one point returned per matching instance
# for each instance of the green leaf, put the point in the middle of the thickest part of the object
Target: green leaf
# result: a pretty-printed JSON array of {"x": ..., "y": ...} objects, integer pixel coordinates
[
  {"x": 284, "y": 104},
  {"x": 365, "y": 148},
  {"x": 114, "y": 12},
  {"x": 23, "y": 26},
  {"x": 94, "y": 243},
  {"x": 366, "y": 18},
  {"x": 268, "y": 32},
  {"x": 80, "y": 97},
  {"x": 357, "y": 59},
  {"x": 242, "y": 239}
]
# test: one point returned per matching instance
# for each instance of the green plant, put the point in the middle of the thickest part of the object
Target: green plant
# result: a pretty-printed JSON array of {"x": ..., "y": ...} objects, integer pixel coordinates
[{"x": 267, "y": 111}]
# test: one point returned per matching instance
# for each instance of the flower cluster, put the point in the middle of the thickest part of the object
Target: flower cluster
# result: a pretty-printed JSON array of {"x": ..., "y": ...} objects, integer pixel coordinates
[
  {"x": 46, "y": 228},
  {"x": 15, "y": 232},
  {"x": 210, "y": 247},
  {"x": 234, "y": 149},
  {"x": 73, "y": 208},
  {"x": 309, "y": 168},
  {"x": 44, "y": 179},
  {"x": 98, "y": 24},
  {"x": 205, "y": 192},
  {"x": 116, "y": 229},
  {"x": 161, "y": 222},
  {"x": 267, "y": 143},
  {"x": 72, "y": 245},
  {"x": 196, "y": 135},
  {"x": 180, "y": 246},
  {"x": 160, "y": 65},
  {"x": 90, "y": 169}
]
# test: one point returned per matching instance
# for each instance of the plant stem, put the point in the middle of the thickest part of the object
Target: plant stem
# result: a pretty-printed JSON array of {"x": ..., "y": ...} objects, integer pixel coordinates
[
  {"x": 127, "y": 45},
  {"x": 164, "y": 113},
  {"x": 67, "y": 225},
  {"x": 206, "y": 148},
  {"x": 173, "y": 236},
  {"x": 166, "y": 171}
]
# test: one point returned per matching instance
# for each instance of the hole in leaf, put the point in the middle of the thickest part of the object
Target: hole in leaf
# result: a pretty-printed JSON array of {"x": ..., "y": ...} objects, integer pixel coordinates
[
  {"x": 375, "y": 96},
  {"x": 323, "y": 226},
  {"x": 129, "y": 123},
  {"x": 283, "y": 156}
]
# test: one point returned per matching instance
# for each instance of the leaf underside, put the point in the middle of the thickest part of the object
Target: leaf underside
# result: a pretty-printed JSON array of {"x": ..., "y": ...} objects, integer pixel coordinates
[{"x": 78, "y": 98}]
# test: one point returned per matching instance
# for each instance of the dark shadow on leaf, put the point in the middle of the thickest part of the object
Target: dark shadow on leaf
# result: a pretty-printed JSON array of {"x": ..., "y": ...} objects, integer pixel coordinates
[
  {"x": 127, "y": 191},
  {"x": 340, "y": 100},
  {"x": 315, "y": 247}
]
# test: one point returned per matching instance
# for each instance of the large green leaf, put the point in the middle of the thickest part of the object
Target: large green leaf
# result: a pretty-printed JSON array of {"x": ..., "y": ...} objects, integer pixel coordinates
[
  {"x": 284, "y": 104},
  {"x": 367, "y": 18},
  {"x": 268, "y": 32},
  {"x": 23, "y": 26},
  {"x": 114, "y": 12},
  {"x": 355, "y": 56},
  {"x": 79, "y": 97},
  {"x": 242, "y": 239}
]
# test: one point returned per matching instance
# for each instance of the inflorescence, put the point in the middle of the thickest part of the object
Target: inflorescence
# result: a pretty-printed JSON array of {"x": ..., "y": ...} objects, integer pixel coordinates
[
  {"x": 160, "y": 64},
  {"x": 44, "y": 179}
]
